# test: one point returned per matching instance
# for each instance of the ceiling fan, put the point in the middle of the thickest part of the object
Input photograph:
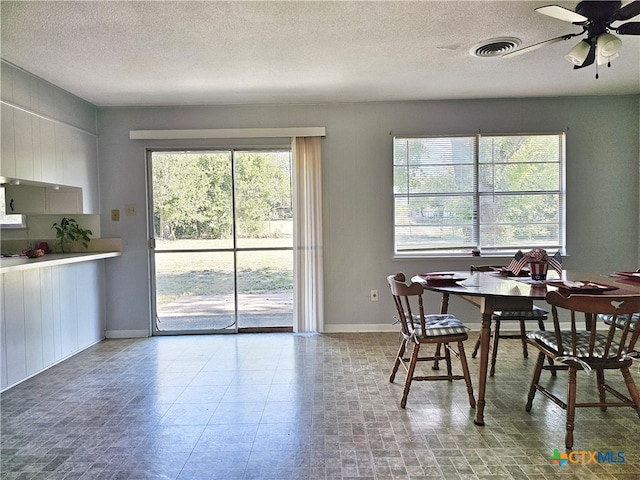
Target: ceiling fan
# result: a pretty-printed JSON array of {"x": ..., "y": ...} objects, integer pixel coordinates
[{"x": 596, "y": 19}]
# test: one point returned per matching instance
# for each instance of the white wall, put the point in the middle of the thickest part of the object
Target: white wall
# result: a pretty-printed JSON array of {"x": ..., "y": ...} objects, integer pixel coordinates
[{"x": 602, "y": 183}]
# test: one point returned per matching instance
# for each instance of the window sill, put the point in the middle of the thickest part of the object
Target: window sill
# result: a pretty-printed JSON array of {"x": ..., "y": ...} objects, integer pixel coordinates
[
  {"x": 448, "y": 257},
  {"x": 496, "y": 256}
]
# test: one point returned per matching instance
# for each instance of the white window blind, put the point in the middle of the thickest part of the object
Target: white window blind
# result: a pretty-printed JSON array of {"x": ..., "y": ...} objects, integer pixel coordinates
[{"x": 496, "y": 193}]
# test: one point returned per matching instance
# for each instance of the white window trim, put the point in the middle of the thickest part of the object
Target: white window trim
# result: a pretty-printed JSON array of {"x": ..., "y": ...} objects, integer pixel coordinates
[{"x": 496, "y": 253}]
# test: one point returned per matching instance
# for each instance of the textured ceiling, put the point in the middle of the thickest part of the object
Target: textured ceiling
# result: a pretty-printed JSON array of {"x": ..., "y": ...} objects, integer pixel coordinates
[{"x": 220, "y": 52}]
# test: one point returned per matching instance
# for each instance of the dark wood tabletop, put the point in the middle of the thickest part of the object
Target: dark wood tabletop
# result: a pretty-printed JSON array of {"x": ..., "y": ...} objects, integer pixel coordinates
[{"x": 497, "y": 284}]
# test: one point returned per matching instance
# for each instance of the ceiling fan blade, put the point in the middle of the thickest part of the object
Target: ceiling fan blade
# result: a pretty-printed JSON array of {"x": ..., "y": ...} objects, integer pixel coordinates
[
  {"x": 630, "y": 10},
  {"x": 591, "y": 57},
  {"x": 536, "y": 46},
  {"x": 630, "y": 28},
  {"x": 561, "y": 13}
]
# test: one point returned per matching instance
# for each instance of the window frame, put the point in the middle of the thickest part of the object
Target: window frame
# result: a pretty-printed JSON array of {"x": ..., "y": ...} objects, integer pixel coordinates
[{"x": 477, "y": 194}]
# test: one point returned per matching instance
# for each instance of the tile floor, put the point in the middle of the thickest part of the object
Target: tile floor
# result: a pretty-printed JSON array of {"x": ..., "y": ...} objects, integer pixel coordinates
[{"x": 286, "y": 406}]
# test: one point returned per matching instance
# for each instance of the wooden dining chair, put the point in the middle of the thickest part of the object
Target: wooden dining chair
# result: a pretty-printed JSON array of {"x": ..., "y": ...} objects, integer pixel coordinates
[
  {"x": 620, "y": 321},
  {"x": 609, "y": 347},
  {"x": 417, "y": 329},
  {"x": 520, "y": 316}
]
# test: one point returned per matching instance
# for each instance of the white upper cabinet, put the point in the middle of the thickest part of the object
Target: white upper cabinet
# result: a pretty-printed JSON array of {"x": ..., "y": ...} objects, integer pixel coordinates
[
  {"x": 30, "y": 199},
  {"x": 48, "y": 137},
  {"x": 23, "y": 138},
  {"x": 8, "y": 163}
]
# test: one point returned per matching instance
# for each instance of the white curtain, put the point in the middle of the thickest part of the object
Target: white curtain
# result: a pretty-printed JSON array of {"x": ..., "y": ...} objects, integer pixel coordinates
[{"x": 307, "y": 204}]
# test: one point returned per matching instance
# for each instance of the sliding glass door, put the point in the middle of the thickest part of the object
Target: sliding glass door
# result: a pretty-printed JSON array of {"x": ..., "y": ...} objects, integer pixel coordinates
[{"x": 222, "y": 247}]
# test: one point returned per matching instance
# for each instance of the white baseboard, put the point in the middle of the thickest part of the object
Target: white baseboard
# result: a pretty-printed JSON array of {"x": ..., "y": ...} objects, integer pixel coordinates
[{"x": 126, "y": 333}]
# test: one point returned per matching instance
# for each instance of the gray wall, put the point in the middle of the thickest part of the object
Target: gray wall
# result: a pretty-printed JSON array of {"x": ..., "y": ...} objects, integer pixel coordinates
[{"x": 602, "y": 183}]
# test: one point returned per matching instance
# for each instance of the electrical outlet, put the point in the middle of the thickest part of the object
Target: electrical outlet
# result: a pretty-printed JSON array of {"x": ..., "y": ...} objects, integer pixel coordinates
[
  {"x": 374, "y": 295},
  {"x": 131, "y": 209},
  {"x": 115, "y": 215}
]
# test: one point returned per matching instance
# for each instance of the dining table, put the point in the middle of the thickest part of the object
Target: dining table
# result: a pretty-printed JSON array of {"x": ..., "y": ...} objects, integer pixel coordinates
[{"x": 495, "y": 290}]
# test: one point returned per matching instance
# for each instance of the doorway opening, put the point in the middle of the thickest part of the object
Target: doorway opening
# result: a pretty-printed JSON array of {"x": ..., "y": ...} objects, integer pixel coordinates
[{"x": 222, "y": 246}]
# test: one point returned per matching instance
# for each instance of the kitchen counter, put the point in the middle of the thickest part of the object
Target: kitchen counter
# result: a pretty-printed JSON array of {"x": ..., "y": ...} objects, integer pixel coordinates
[{"x": 15, "y": 264}]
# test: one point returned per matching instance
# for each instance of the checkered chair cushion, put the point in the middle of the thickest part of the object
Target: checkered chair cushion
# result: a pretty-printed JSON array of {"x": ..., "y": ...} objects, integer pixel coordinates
[
  {"x": 621, "y": 320},
  {"x": 582, "y": 343},
  {"x": 437, "y": 325},
  {"x": 536, "y": 314}
]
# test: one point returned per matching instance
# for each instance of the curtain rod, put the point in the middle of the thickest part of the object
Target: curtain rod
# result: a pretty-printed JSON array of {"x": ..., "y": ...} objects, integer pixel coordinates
[{"x": 228, "y": 133}]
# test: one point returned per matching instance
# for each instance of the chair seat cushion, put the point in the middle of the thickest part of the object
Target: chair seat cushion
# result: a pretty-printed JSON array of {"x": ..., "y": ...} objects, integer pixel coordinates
[
  {"x": 536, "y": 314},
  {"x": 582, "y": 344},
  {"x": 437, "y": 325},
  {"x": 621, "y": 320}
]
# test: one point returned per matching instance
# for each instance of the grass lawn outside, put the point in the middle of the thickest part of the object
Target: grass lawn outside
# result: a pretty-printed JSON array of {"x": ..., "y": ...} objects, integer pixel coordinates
[{"x": 201, "y": 284}]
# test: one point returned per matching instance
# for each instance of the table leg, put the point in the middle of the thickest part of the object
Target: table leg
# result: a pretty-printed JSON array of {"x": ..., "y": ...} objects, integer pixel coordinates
[
  {"x": 444, "y": 303},
  {"x": 444, "y": 308},
  {"x": 485, "y": 334}
]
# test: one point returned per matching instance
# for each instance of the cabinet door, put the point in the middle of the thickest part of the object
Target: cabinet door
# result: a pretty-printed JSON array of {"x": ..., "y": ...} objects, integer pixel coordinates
[
  {"x": 65, "y": 200},
  {"x": 24, "y": 145},
  {"x": 36, "y": 149},
  {"x": 8, "y": 163},
  {"x": 24, "y": 199},
  {"x": 48, "y": 151},
  {"x": 28, "y": 199}
]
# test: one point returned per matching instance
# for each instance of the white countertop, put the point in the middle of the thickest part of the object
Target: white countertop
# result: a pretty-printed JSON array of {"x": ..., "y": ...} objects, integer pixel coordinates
[{"x": 14, "y": 264}]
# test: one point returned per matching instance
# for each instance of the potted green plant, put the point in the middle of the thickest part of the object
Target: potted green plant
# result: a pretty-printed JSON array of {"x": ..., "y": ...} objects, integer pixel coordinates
[{"x": 68, "y": 232}]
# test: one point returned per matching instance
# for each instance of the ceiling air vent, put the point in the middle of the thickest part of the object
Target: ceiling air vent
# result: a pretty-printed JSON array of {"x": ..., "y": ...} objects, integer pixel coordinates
[{"x": 496, "y": 47}]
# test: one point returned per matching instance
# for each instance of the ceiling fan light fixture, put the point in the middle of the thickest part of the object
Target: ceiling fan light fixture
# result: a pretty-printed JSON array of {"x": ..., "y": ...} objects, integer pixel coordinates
[
  {"x": 578, "y": 54},
  {"x": 608, "y": 46},
  {"x": 606, "y": 60}
]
